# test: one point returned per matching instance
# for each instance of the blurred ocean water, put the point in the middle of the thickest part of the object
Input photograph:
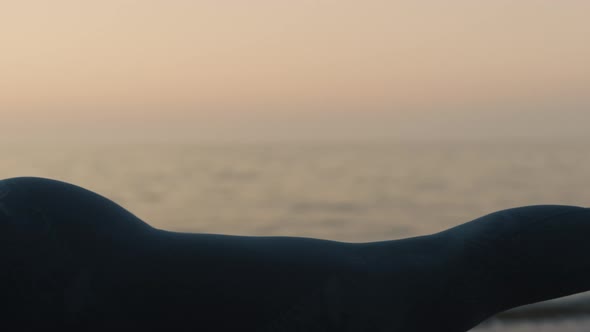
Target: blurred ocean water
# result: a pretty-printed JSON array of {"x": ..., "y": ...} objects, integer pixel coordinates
[{"x": 342, "y": 191}]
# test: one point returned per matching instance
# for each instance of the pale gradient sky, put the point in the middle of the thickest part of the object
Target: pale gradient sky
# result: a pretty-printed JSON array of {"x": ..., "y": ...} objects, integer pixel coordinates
[{"x": 263, "y": 69}]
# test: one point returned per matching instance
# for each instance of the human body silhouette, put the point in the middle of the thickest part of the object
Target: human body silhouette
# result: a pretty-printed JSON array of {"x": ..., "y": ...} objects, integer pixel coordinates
[{"x": 75, "y": 261}]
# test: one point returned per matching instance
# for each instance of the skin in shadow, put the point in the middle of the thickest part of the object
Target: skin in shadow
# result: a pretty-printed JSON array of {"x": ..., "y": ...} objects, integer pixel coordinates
[{"x": 73, "y": 260}]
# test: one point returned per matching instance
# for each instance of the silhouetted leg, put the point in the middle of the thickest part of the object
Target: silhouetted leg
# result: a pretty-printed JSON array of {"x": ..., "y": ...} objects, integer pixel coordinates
[
  {"x": 515, "y": 257},
  {"x": 77, "y": 261}
]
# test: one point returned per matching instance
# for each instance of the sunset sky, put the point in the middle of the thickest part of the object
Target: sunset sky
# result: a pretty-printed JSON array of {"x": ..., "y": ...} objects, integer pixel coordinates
[{"x": 280, "y": 69}]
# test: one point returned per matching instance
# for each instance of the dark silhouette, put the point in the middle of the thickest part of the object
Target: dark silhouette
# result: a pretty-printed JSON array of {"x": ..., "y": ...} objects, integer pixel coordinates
[{"x": 75, "y": 261}]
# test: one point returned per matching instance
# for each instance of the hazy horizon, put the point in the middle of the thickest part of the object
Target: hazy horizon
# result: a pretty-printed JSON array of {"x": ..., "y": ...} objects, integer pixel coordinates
[{"x": 250, "y": 128}]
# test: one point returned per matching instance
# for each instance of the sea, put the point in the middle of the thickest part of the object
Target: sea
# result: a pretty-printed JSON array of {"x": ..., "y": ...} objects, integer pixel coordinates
[{"x": 345, "y": 191}]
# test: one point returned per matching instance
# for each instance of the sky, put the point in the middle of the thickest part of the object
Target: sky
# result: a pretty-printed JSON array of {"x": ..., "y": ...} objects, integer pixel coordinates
[{"x": 267, "y": 70}]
